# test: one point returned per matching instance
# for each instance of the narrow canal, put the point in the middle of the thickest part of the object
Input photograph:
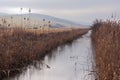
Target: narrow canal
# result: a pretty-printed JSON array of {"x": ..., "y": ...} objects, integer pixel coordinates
[{"x": 69, "y": 62}]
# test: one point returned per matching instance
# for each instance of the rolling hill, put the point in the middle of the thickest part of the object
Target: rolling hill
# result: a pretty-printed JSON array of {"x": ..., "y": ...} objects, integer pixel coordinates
[{"x": 37, "y": 20}]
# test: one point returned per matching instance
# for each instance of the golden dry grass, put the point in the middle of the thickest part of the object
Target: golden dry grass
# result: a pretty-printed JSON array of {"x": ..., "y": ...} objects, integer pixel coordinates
[
  {"x": 20, "y": 47},
  {"x": 106, "y": 45}
]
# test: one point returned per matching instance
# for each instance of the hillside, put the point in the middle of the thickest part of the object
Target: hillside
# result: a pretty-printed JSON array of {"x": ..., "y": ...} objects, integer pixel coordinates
[{"x": 36, "y": 20}]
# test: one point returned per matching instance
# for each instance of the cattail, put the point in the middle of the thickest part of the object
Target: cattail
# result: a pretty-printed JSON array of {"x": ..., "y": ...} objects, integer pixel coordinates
[
  {"x": 8, "y": 25},
  {"x": 49, "y": 25},
  {"x": 112, "y": 16},
  {"x": 11, "y": 20},
  {"x": 21, "y": 16},
  {"x": 29, "y": 10},
  {"x": 24, "y": 18},
  {"x": 43, "y": 19},
  {"x": 49, "y": 22},
  {"x": 27, "y": 19},
  {"x": 29, "y": 15},
  {"x": 21, "y": 9}
]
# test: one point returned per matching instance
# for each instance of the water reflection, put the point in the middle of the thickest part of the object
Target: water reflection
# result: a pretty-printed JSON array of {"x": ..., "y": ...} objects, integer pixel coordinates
[{"x": 68, "y": 62}]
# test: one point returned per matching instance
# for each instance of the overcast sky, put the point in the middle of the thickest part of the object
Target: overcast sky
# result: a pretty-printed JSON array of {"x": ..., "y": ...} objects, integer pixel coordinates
[{"x": 81, "y": 11}]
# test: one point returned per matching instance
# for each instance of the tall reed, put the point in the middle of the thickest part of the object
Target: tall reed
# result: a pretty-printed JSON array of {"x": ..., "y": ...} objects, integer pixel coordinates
[
  {"x": 19, "y": 47},
  {"x": 106, "y": 46}
]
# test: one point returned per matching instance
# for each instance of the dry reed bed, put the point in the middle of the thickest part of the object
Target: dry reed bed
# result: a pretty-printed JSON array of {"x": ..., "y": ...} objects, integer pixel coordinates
[
  {"x": 19, "y": 47},
  {"x": 106, "y": 44}
]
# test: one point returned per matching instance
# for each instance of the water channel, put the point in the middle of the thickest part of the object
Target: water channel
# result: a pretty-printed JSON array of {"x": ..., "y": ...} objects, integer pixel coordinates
[{"x": 69, "y": 62}]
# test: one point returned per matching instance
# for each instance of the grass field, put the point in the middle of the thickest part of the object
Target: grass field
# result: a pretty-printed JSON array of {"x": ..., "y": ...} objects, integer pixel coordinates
[{"x": 106, "y": 46}]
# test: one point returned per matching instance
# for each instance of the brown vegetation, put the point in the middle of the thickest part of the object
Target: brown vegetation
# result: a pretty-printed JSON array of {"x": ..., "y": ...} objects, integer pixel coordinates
[
  {"x": 106, "y": 46},
  {"x": 19, "y": 47}
]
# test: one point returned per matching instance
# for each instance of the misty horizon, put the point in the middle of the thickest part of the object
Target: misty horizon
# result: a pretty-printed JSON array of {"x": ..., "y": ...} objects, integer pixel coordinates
[{"x": 80, "y": 11}]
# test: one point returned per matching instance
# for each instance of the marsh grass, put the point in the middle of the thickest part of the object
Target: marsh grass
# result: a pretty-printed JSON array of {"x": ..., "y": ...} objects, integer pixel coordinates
[
  {"x": 106, "y": 44},
  {"x": 20, "y": 47}
]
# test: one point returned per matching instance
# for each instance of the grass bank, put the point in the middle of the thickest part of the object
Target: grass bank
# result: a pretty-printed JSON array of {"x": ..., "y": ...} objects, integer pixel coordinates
[
  {"x": 106, "y": 46},
  {"x": 19, "y": 47}
]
